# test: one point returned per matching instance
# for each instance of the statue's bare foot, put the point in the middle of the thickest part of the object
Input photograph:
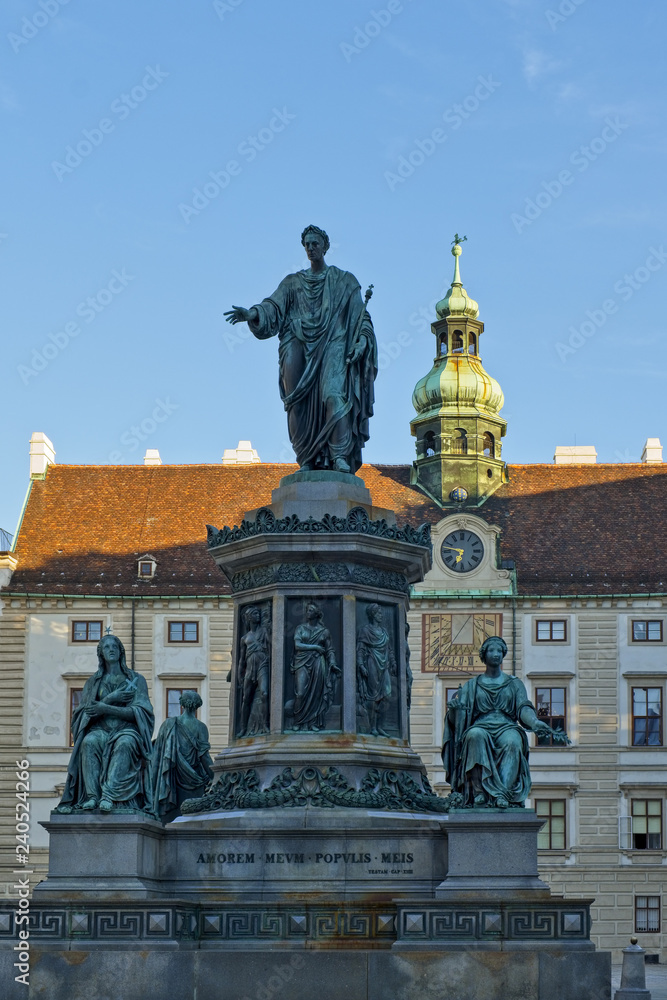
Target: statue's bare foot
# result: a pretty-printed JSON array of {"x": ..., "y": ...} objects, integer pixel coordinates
[
  {"x": 501, "y": 802},
  {"x": 106, "y": 806},
  {"x": 340, "y": 465},
  {"x": 65, "y": 809},
  {"x": 90, "y": 804},
  {"x": 479, "y": 800}
]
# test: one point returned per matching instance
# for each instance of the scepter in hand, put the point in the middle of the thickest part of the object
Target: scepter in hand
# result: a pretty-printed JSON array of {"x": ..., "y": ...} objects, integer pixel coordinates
[{"x": 358, "y": 348}]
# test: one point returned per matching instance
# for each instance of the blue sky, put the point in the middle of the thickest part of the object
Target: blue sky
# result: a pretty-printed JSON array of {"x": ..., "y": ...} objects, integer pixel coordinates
[{"x": 535, "y": 127}]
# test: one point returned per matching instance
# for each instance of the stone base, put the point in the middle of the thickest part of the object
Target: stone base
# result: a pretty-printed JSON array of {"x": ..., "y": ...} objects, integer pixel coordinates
[
  {"x": 113, "y": 972},
  {"x": 492, "y": 853},
  {"x": 303, "y": 902},
  {"x": 316, "y": 493},
  {"x": 271, "y": 855},
  {"x": 299, "y": 851}
]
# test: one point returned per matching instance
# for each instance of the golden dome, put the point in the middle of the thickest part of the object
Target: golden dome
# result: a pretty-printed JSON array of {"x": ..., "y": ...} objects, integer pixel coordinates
[{"x": 458, "y": 382}]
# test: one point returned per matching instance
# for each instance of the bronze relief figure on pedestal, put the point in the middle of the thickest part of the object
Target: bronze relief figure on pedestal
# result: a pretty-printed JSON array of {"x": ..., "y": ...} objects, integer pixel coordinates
[
  {"x": 315, "y": 673},
  {"x": 376, "y": 672},
  {"x": 254, "y": 671}
]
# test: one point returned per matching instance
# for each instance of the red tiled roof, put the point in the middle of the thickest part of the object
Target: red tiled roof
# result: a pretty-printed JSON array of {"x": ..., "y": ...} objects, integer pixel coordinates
[{"x": 587, "y": 529}]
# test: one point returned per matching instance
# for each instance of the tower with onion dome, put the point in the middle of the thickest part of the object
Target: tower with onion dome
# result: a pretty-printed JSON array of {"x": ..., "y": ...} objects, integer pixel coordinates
[{"x": 458, "y": 426}]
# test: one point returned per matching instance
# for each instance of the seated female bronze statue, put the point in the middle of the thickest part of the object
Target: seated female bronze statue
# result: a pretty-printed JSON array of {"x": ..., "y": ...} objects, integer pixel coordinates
[
  {"x": 485, "y": 750},
  {"x": 112, "y": 729}
]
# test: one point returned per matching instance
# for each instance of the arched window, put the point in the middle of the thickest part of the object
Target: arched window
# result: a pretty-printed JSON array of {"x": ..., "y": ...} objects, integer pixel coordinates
[
  {"x": 457, "y": 342},
  {"x": 459, "y": 442},
  {"x": 429, "y": 444},
  {"x": 489, "y": 445},
  {"x": 443, "y": 345},
  {"x": 472, "y": 343}
]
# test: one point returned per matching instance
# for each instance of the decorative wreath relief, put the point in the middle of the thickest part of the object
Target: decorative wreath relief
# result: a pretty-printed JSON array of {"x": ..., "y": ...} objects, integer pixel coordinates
[
  {"x": 396, "y": 791},
  {"x": 356, "y": 521}
]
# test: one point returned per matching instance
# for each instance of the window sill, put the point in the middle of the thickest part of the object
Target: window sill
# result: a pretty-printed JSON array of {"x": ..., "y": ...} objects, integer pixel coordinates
[{"x": 637, "y": 853}]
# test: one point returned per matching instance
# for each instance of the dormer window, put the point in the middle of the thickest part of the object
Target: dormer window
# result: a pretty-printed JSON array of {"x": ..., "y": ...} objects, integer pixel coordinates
[
  {"x": 457, "y": 342},
  {"x": 146, "y": 567}
]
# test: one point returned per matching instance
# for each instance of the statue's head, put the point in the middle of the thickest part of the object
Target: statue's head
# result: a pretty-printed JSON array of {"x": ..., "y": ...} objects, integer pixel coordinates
[
  {"x": 316, "y": 231},
  {"x": 493, "y": 650},
  {"x": 190, "y": 700},
  {"x": 109, "y": 650},
  {"x": 252, "y": 615},
  {"x": 313, "y": 612},
  {"x": 374, "y": 613}
]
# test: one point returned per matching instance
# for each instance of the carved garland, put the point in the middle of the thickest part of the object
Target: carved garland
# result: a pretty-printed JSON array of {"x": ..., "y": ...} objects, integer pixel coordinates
[
  {"x": 356, "y": 521},
  {"x": 264, "y": 576},
  {"x": 392, "y": 790}
]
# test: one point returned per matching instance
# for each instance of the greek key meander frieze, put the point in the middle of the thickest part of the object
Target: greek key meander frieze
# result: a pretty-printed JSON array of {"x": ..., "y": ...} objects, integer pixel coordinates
[
  {"x": 357, "y": 521},
  {"x": 514, "y": 923},
  {"x": 328, "y": 788},
  {"x": 368, "y": 576},
  {"x": 382, "y": 922}
]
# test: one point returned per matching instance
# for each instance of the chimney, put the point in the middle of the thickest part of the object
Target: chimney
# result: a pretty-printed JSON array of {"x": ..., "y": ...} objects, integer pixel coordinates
[
  {"x": 152, "y": 457},
  {"x": 575, "y": 454},
  {"x": 42, "y": 454},
  {"x": 245, "y": 454},
  {"x": 652, "y": 453}
]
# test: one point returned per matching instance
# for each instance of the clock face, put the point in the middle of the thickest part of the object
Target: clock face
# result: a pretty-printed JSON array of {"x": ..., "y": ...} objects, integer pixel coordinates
[{"x": 462, "y": 550}]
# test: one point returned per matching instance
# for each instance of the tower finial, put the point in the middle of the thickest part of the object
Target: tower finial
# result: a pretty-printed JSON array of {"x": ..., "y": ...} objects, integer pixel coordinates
[
  {"x": 456, "y": 252},
  {"x": 457, "y": 302}
]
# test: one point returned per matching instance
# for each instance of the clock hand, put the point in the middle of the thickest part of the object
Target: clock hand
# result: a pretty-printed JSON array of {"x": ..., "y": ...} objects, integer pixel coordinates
[{"x": 460, "y": 551}]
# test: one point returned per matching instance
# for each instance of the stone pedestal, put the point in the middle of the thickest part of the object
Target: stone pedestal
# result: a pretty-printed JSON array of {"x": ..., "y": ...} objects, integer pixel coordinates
[
  {"x": 321, "y": 541},
  {"x": 492, "y": 854}
]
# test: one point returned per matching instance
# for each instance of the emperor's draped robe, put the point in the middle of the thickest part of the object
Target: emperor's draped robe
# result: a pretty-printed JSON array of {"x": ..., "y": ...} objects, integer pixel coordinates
[
  {"x": 124, "y": 745},
  {"x": 318, "y": 318},
  {"x": 486, "y": 731}
]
